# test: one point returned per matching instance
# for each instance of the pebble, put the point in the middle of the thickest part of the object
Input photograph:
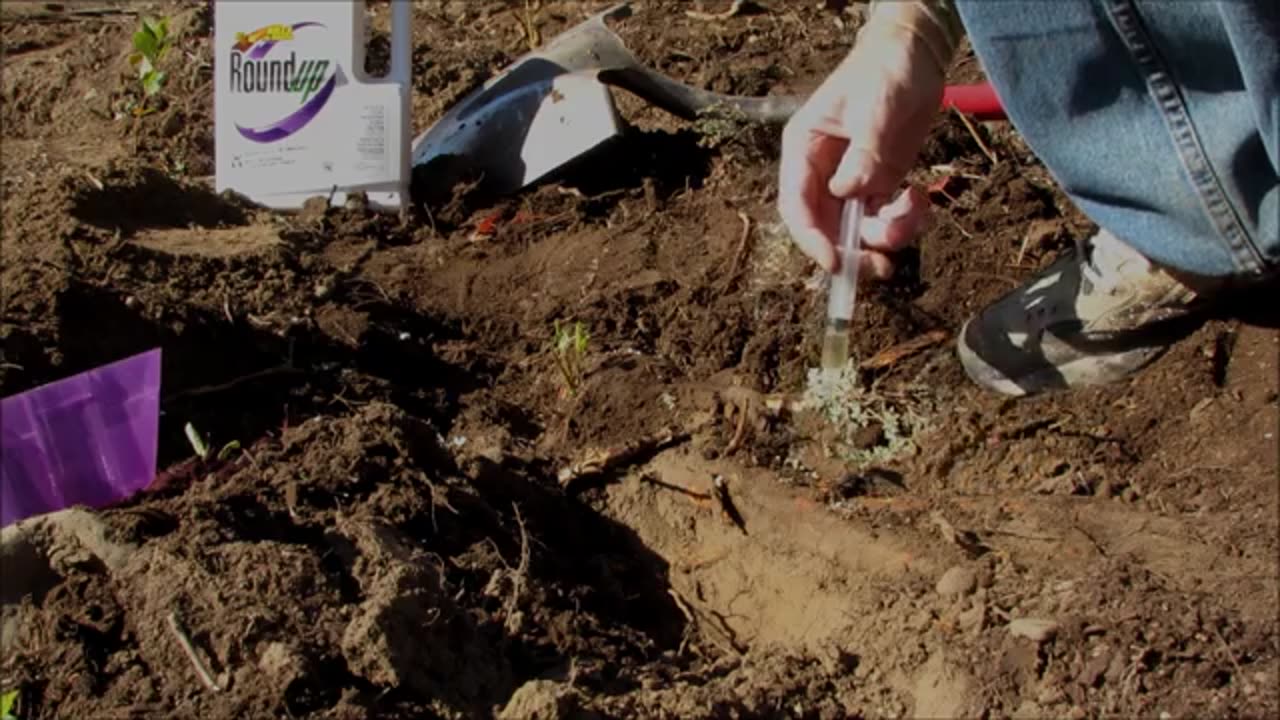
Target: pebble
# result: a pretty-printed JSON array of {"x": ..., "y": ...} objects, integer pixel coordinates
[
  {"x": 975, "y": 617},
  {"x": 1033, "y": 629},
  {"x": 957, "y": 581}
]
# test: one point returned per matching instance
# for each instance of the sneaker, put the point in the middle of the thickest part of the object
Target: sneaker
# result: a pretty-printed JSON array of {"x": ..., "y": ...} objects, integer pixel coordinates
[{"x": 1094, "y": 316}]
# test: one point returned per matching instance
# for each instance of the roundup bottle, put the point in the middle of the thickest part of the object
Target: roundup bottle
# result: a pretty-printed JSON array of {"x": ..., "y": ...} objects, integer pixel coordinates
[{"x": 296, "y": 116}]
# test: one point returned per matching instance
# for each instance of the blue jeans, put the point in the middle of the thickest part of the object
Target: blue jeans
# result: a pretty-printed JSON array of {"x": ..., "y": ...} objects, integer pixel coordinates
[{"x": 1159, "y": 118}]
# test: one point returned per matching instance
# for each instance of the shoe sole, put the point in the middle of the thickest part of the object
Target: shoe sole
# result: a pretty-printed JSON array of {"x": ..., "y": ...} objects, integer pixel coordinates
[{"x": 1084, "y": 372}]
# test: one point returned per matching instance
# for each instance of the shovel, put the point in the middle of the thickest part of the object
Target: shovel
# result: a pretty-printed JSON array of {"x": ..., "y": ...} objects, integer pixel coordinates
[{"x": 553, "y": 105}]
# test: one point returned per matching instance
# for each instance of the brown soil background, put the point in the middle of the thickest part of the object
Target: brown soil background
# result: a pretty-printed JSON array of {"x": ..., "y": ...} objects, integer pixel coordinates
[{"x": 394, "y": 542}]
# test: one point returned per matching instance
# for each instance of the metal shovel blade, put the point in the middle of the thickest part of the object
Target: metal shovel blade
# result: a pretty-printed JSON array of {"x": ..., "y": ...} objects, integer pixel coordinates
[
  {"x": 542, "y": 111},
  {"x": 553, "y": 105}
]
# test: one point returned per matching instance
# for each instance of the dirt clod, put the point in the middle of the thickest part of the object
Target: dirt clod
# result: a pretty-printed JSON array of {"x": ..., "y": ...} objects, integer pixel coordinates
[
  {"x": 957, "y": 581},
  {"x": 1033, "y": 629}
]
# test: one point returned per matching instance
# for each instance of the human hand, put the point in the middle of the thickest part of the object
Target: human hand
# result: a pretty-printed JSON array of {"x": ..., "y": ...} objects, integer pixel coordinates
[{"x": 857, "y": 136}]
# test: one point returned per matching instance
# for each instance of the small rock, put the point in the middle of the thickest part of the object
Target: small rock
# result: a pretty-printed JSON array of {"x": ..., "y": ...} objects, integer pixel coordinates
[
  {"x": 1028, "y": 710},
  {"x": 921, "y": 620},
  {"x": 1033, "y": 629},
  {"x": 173, "y": 123},
  {"x": 540, "y": 700},
  {"x": 957, "y": 581},
  {"x": 1095, "y": 669},
  {"x": 1050, "y": 694},
  {"x": 974, "y": 618}
]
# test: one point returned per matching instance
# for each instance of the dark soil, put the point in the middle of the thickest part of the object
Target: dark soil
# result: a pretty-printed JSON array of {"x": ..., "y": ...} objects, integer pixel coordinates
[{"x": 394, "y": 539}]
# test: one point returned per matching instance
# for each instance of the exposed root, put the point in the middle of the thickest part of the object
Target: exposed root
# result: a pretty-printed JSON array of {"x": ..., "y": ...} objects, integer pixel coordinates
[
  {"x": 692, "y": 628},
  {"x": 235, "y": 382},
  {"x": 903, "y": 350},
  {"x": 750, "y": 406},
  {"x": 741, "y": 254},
  {"x": 606, "y": 462},
  {"x": 694, "y": 495},
  {"x": 514, "y": 618}
]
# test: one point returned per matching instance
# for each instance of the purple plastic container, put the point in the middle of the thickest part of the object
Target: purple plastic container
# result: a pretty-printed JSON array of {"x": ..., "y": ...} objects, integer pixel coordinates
[{"x": 89, "y": 439}]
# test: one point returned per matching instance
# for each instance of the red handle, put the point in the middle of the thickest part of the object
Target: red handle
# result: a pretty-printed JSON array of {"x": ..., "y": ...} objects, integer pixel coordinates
[{"x": 979, "y": 100}]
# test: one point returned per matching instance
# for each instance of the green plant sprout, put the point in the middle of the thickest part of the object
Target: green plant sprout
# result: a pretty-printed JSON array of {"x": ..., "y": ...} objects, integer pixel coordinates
[
  {"x": 202, "y": 449},
  {"x": 7, "y": 700},
  {"x": 149, "y": 46},
  {"x": 571, "y": 348}
]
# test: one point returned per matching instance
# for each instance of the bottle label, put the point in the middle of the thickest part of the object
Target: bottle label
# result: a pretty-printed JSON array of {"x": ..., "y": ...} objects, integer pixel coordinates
[
  {"x": 293, "y": 115},
  {"x": 279, "y": 79}
]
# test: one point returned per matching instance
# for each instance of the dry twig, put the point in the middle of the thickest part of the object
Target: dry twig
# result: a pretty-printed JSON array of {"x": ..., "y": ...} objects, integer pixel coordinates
[
  {"x": 65, "y": 14},
  {"x": 185, "y": 642},
  {"x": 234, "y": 382},
  {"x": 736, "y": 441},
  {"x": 518, "y": 576},
  {"x": 741, "y": 254},
  {"x": 968, "y": 125},
  {"x": 663, "y": 484},
  {"x": 528, "y": 24},
  {"x": 903, "y": 350},
  {"x": 728, "y": 510},
  {"x": 1231, "y": 656}
]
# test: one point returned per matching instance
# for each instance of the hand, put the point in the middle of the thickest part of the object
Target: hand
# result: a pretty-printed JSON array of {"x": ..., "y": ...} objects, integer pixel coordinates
[{"x": 857, "y": 136}]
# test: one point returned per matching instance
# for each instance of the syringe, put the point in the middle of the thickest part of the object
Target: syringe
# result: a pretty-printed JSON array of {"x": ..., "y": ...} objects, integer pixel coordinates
[{"x": 844, "y": 286}]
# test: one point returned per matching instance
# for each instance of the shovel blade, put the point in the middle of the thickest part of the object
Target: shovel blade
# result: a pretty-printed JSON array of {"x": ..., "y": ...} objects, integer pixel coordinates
[
  {"x": 519, "y": 135},
  {"x": 546, "y": 109},
  {"x": 90, "y": 439},
  {"x": 575, "y": 117}
]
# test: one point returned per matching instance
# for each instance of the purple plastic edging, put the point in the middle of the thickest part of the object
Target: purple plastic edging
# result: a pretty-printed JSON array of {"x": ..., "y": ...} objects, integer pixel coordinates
[{"x": 90, "y": 439}]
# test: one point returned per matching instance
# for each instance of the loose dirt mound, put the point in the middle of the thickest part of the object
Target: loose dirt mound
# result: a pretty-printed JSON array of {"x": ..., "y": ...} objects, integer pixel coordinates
[{"x": 422, "y": 519}]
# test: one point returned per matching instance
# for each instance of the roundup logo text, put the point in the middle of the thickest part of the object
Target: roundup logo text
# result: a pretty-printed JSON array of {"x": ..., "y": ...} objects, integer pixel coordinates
[{"x": 252, "y": 70}]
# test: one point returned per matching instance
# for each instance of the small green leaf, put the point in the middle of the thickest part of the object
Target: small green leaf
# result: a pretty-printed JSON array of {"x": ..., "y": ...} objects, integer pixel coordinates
[
  {"x": 156, "y": 28},
  {"x": 7, "y": 701},
  {"x": 145, "y": 43},
  {"x": 227, "y": 449},
  {"x": 152, "y": 82},
  {"x": 197, "y": 442},
  {"x": 145, "y": 68}
]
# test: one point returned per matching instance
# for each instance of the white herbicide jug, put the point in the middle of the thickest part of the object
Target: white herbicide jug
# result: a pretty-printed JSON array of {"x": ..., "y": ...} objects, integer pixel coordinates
[{"x": 296, "y": 115}]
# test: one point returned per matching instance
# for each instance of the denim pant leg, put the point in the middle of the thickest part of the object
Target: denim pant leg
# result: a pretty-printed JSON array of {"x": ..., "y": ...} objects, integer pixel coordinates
[{"x": 1159, "y": 119}]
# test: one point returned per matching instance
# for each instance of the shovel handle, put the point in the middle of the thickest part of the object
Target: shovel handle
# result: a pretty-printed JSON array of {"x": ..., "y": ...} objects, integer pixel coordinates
[
  {"x": 978, "y": 99},
  {"x": 688, "y": 102}
]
